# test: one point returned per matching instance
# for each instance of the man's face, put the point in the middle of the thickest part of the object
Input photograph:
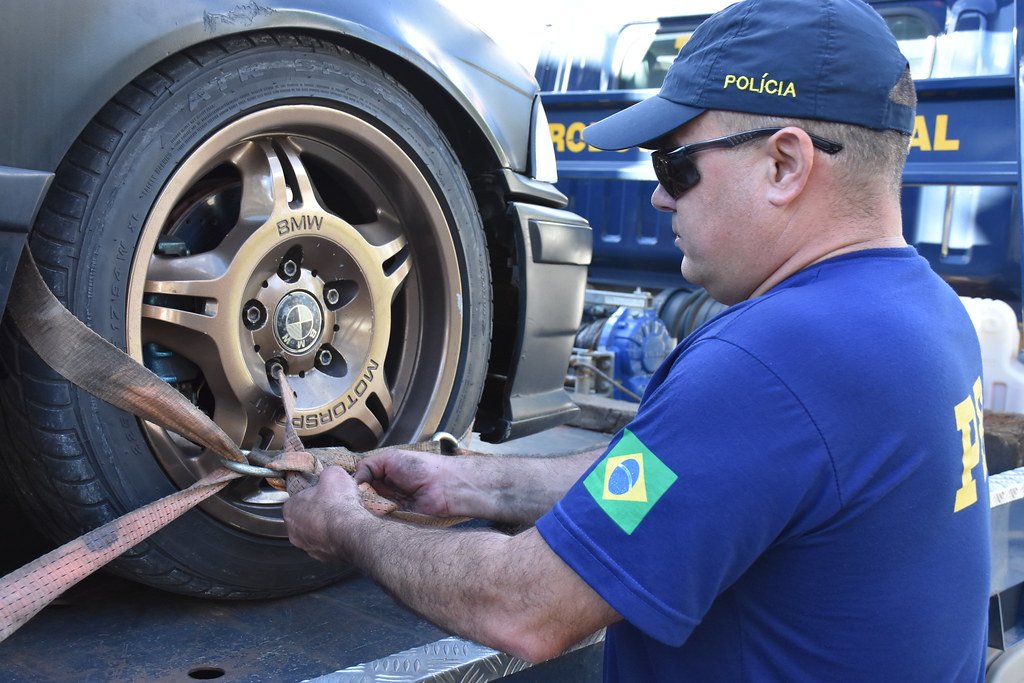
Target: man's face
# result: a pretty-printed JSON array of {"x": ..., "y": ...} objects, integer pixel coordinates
[{"x": 715, "y": 221}]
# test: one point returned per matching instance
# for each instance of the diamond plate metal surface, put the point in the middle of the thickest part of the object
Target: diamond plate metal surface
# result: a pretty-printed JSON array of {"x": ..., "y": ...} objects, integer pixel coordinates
[{"x": 449, "y": 660}]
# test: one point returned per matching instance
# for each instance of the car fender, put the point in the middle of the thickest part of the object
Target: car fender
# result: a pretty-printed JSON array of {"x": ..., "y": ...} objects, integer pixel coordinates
[{"x": 105, "y": 44}]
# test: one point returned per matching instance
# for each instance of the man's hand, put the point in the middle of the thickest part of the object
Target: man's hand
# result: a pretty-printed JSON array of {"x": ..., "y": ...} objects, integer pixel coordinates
[
  {"x": 319, "y": 517},
  {"x": 417, "y": 481},
  {"x": 514, "y": 490}
]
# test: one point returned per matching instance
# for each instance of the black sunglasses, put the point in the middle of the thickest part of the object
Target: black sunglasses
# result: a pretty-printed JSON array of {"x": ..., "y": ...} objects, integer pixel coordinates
[{"x": 677, "y": 172}]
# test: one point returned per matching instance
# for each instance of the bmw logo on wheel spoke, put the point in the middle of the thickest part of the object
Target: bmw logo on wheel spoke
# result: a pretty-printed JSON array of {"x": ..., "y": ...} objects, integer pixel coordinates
[{"x": 298, "y": 321}]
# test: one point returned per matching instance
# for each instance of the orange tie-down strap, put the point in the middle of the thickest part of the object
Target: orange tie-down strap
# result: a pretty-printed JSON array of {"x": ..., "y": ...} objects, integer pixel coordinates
[{"x": 103, "y": 370}]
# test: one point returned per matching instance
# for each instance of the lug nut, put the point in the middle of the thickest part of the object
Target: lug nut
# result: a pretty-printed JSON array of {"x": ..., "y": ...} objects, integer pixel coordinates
[
  {"x": 332, "y": 296},
  {"x": 253, "y": 314},
  {"x": 324, "y": 357},
  {"x": 275, "y": 366},
  {"x": 290, "y": 268}
]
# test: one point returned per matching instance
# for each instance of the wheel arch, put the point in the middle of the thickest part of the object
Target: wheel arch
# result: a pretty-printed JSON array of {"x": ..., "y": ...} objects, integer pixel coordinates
[{"x": 474, "y": 144}]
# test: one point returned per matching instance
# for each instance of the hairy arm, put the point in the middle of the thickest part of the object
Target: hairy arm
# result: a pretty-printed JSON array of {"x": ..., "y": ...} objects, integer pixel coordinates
[
  {"x": 508, "y": 592},
  {"x": 515, "y": 490}
]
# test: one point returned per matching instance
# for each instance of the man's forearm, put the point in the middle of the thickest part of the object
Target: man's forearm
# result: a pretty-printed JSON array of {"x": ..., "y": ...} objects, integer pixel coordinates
[
  {"x": 516, "y": 490},
  {"x": 511, "y": 593}
]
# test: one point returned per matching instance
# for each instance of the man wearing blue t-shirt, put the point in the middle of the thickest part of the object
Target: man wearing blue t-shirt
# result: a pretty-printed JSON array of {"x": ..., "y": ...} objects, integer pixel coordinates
[{"x": 802, "y": 495}]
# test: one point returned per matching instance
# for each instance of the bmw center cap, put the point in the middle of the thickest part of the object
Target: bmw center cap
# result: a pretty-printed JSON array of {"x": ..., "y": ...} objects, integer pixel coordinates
[{"x": 298, "y": 321}]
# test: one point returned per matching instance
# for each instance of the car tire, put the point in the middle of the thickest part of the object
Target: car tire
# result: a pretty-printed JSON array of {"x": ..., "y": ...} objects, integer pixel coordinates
[{"x": 271, "y": 178}]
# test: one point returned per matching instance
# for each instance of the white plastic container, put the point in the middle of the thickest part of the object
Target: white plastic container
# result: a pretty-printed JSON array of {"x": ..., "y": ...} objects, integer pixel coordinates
[{"x": 996, "y": 325}]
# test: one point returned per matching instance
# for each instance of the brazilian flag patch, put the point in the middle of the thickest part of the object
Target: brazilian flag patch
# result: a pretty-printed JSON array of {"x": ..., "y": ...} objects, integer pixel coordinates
[{"x": 629, "y": 481}]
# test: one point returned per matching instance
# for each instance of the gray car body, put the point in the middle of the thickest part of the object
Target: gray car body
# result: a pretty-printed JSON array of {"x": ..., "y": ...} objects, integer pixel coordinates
[
  {"x": 66, "y": 59},
  {"x": 63, "y": 60}
]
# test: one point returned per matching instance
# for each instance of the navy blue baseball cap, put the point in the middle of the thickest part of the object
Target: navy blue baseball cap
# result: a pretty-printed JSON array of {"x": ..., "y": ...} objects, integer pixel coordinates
[{"x": 830, "y": 60}]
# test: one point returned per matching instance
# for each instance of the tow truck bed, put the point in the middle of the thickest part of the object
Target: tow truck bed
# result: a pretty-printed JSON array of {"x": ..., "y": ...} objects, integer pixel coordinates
[{"x": 110, "y": 629}]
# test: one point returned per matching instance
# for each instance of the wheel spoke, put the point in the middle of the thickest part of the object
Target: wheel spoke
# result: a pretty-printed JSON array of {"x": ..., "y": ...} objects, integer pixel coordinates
[
  {"x": 195, "y": 276},
  {"x": 384, "y": 394},
  {"x": 380, "y": 231},
  {"x": 263, "y": 183},
  {"x": 189, "y": 334},
  {"x": 241, "y": 408},
  {"x": 241, "y": 413},
  {"x": 390, "y": 248},
  {"x": 185, "y": 324},
  {"x": 308, "y": 198},
  {"x": 398, "y": 277},
  {"x": 394, "y": 261},
  {"x": 367, "y": 416},
  {"x": 355, "y": 333}
]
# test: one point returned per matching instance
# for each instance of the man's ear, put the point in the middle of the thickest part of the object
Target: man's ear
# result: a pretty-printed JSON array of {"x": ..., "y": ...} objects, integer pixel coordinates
[{"x": 792, "y": 157}]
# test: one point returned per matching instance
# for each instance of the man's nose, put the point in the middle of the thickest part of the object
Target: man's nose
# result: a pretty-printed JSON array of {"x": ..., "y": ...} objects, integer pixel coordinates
[{"x": 662, "y": 200}]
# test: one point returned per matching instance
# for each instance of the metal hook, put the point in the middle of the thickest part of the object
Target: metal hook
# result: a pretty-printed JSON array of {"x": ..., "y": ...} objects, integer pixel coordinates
[
  {"x": 250, "y": 470},
  {"x": 449, "y": 444}
]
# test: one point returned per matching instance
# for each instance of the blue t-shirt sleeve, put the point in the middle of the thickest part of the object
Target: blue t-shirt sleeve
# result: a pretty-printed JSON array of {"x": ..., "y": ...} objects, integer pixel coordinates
[{"x": 721, "y": 462}]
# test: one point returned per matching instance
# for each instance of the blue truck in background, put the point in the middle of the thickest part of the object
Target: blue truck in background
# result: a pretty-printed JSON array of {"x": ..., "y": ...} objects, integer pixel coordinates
[
  {"x": 961, "y": 200},
  {"x": 961, "y": 204}
]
